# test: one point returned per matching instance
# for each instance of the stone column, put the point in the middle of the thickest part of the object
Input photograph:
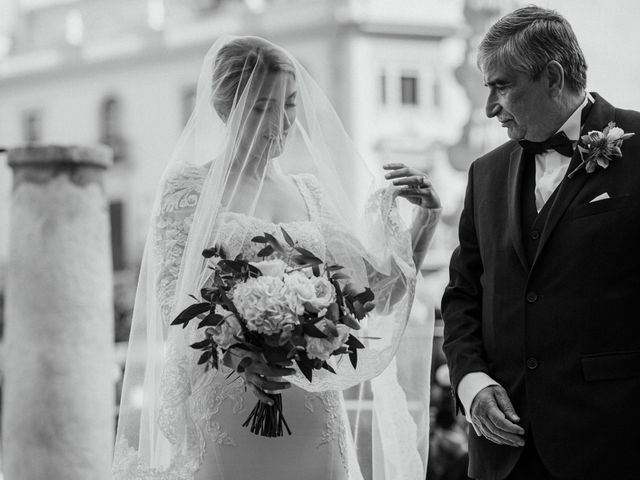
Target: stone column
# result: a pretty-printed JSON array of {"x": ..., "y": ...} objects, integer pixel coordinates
[{"x": 58, "y": 393}]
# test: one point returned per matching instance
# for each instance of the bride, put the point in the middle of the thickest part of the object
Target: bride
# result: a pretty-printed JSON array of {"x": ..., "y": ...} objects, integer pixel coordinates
[{"x": 265, "y": 151}]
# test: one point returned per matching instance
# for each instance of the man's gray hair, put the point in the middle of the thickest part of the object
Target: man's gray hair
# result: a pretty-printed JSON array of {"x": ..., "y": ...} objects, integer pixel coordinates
[{"x": 529, "y": 38}]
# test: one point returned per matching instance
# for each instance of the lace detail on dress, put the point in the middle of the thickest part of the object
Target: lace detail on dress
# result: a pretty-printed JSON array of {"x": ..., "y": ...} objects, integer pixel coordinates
[
  {"x": 335, "y": 430},
  {"x": 173, "y": 222},
  {"x": 128, "y": 464},
  {"x": 209, "y": 397}
]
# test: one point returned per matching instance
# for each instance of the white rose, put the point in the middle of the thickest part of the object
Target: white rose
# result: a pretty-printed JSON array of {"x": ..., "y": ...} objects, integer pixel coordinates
[
  {"x": 271, "y": 268},
  {"x": 322, "y": 348},
  {"x": 299, "y": 289},
  {"x": 325, "y": 293},
  {"x": 225, "y": 333}
]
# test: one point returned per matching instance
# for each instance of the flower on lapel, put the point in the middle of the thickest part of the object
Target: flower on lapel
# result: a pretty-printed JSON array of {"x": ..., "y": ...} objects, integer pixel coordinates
[{"x": 599, "y": 148}]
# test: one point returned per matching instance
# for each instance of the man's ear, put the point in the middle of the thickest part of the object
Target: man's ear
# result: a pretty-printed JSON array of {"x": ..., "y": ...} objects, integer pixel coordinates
[{"x": 554, "y": 75}]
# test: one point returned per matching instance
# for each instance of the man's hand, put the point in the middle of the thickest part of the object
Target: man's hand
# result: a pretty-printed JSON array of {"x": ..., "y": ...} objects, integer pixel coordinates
[{"x": 494, "y": 417}]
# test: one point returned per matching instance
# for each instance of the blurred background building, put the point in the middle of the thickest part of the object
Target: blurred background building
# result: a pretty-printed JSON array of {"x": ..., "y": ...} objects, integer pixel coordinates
[{"x": 401, "y": 75}]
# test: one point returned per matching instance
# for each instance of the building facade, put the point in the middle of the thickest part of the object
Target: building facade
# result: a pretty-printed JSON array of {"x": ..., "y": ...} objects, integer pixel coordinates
[{"x": 123, "y": 73}]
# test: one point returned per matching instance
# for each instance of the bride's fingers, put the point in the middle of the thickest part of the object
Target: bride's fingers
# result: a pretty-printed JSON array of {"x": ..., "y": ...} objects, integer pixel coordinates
[
  {"x": 262, "y": 396},
  {"x": 265, "y": 383},
  {"x": 399, "y": 172},
  {"x": 421, "y": 181},
  {"x": 270, "y": 371},
  {"x": 393, "y": 166}
]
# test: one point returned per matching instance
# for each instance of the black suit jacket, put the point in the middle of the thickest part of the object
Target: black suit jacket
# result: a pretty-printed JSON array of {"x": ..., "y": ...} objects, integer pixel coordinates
[{"x": 562, "y": 335}]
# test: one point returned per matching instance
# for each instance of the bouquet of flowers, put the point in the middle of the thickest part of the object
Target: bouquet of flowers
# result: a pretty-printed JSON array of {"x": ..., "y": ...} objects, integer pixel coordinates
[{"x": 289, "y": 308}]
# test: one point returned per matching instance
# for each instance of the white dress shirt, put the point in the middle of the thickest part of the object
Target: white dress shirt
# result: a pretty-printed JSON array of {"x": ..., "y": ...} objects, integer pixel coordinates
[{"x": 551, "y": 167}]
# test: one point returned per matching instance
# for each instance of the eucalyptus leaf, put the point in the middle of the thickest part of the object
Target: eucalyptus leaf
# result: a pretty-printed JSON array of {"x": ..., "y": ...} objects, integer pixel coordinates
[{"x": 287, "y": 237}]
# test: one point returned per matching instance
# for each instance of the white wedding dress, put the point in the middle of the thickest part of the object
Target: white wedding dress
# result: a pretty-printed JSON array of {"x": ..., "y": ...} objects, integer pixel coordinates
[{"x": 210, "y": 407}]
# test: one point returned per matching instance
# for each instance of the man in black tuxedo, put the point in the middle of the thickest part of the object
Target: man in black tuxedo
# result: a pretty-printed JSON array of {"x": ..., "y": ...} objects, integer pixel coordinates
[{"x": 542, "y": 322}]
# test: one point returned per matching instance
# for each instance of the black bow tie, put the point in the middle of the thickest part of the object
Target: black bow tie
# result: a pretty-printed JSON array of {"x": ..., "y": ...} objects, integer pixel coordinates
[{"x": 559, "y": 142}]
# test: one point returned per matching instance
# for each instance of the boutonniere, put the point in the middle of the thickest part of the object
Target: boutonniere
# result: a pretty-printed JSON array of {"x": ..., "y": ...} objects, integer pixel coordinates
[{"x": 599, "y": 148}]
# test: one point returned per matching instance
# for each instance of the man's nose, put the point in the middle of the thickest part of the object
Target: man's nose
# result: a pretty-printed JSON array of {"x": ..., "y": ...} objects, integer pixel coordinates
[{"x": 492, "y": 108}]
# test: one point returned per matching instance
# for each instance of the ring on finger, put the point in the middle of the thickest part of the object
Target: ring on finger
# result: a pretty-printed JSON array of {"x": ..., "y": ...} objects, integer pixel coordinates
[{"x": 422, "y": 182}]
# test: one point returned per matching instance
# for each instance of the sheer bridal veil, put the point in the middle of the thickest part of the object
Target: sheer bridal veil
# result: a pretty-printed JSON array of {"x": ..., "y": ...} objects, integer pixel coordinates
[{"x": 259, "y": 122}]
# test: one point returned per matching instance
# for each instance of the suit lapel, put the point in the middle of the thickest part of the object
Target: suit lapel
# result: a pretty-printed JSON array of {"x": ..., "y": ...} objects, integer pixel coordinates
[
  {"x": 601, "y": 113},
  {"x": 516, "y": 170}
]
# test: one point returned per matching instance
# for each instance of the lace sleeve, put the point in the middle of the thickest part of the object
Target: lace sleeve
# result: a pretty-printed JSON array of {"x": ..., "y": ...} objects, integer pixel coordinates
[{"x": 172, "y": 223}]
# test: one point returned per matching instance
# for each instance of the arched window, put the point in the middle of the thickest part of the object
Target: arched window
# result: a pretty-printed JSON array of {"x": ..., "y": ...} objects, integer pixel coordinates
[{"x": 111, "y": 128}]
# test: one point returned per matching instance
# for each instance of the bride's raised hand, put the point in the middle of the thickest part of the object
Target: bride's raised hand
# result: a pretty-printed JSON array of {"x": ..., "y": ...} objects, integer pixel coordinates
[{"x": 414, "y": 185}]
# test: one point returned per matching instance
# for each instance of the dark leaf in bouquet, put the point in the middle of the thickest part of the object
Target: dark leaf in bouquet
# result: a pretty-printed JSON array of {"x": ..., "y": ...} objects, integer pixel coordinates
[
  {"x": 266, "y": 251},
  {"x": 351, "y": 322},
  {"x": 369, "y": 306},
  {"x": 366, "y": 296},
  {"x": 306, "y": 367},
  {"x": 273, "y": 241},
  {"x": 334, "y": 268},
  {"x": 313, "y": 331},
  {"x": 287, "y": 237},
  {"x": 207, "y": 293},
  {"x": 231, "y": 266},
  {"x": 227, "y": 303},
  {"x": 358, "y": 310},
  {"x": 326, "y": 366},
  {"x": 353, "y": 342},
  {"x": 341, "y": 351},
  {"x": 340, "y": 276},
  {"x": 332, "y": 330},
  {"x": 353, "y": 357},
  {"x": 333, "y": 312},
  {"x": 244, "y": 363},
  {"x": 312, "y": 259},
  {"x": 253, "y": 271},
  {"x": 205, "y": 357},
  {"x": 209, "y": 252},
  {"x": 276, "y": 356},
  {"x": 214, "y": 252},
  {"x": 305, "y": 261},
  {"x": 316, "y": 270},
  {"x": 349, "y": 290},
  {"x": 211, "y": 320},
  {"x": 339, "y": 295},
  {"x": 190, "y": 312},
  {"x": 294, "y": 351},
  {"x": 259, "y": 239},
  {"x": 247, "y": 347},
  {"x": 309, "y": 307},
  {"x": 206, "y": 343}
]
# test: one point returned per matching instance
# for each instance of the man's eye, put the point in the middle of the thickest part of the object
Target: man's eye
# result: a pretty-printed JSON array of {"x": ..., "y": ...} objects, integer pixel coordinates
[{"x": 291, "y": 105}]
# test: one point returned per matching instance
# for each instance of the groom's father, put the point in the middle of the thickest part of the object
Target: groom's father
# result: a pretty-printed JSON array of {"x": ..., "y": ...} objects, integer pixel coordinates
[{"x": 542, "y": 312}]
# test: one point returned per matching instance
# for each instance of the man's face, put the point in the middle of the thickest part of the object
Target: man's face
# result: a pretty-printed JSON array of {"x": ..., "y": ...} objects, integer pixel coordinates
[{"x": 520, "y": 104}]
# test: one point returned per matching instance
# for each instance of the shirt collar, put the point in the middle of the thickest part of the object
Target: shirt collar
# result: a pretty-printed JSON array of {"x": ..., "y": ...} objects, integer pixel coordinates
[{"x": 571, "y": 127}]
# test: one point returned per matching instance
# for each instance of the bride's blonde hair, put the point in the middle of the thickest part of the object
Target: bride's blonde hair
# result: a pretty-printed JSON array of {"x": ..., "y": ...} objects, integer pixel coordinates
[{"x": 235, "y": 64}]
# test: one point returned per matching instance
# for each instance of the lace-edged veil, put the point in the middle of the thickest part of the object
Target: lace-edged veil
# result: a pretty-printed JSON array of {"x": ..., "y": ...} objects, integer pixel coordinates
[{"x": 260, "y": 122}]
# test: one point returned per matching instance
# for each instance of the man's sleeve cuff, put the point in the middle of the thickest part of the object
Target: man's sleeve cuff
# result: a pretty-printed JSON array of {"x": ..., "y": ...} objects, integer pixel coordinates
[{"x": 470, "y": 386}]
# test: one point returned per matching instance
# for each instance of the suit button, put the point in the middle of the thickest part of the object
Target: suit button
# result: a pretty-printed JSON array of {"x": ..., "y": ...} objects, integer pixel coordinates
[
  {"x": 532, "y": 363},
  {"x": 535, "y": 235},
  {"x": 532, "y": 297}
]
